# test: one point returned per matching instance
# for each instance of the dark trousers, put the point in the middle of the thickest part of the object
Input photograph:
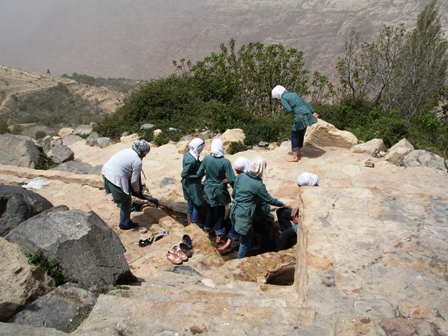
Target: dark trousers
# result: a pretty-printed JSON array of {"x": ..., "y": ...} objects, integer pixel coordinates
[{"x": 284, "y": 218}]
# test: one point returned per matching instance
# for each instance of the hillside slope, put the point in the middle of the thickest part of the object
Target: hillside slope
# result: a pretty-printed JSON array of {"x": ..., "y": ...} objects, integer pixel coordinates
[{"x": 140, "y": 39}]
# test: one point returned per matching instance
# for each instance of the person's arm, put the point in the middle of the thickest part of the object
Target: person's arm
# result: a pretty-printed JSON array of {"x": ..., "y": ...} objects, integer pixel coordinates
[
  {"x": 135, "y": 177},
  {"x": 230, "y": 174},
  {"x": 189, "y": 172},
  {"x": 263, "y": 194},
  {"x": 201, "y": 171},
  {"x": 286, "y": 105}
]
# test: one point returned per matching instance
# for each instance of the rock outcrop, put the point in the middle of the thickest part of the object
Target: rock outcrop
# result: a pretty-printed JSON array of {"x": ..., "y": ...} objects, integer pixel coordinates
[
  {"x": 88, "y": 251},
  {"x": 17, "y": 205}
]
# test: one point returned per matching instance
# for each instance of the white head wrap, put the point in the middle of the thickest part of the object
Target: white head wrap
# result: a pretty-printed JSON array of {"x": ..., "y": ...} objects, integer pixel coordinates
[
  {"x": 196, "y": 146},
  {"x": 217, "y": 148},
  {"x": 257, "y": 167},
  {"x": 277, "y": 92},
  {"x": 141, "y": 147},
  {"x": 241, "y": 164},
  {"x": 307, "y": 179}
]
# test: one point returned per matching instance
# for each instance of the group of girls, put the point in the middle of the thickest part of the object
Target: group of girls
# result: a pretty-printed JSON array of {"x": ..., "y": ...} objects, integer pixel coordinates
[{"x": 251, "y": 200}]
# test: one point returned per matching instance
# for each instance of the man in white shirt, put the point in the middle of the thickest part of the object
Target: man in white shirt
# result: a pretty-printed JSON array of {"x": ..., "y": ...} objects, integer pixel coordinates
[{"x": 121, "y": 175}]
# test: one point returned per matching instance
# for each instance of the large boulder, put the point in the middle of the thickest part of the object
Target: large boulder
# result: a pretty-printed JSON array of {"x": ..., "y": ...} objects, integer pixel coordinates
[
  {"x": 373, "y": 147},
  {"x": 418, "y": 158},
  {"x": 57, "y": 308},
  {"x": 323, "y": 134},
  {"x": 22, "y": 283},
  {"x": 89, "y": 252},
  {"x": 398, "y": 151},
  {"x": 17, "y": 205},
  {"x": 17, "y": 150},
  {"x": 61, "y": 154}
]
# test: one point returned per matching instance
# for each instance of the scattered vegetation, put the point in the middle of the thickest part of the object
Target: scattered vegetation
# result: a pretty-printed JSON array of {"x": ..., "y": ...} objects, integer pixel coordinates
[
  {"x": 45, "y": 163},
  {"x": 115, "y": 84},
  {"x": 391, "y": 88},
  {"x": 52, "y": 268}
]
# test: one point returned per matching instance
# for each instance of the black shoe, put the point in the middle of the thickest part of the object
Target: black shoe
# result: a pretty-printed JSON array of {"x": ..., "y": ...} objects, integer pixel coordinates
[
  {"x": 186, "y": 240},
  {"x": 144, "y": 242},
  {"x": 186, "y": 250},
  {"x": 131, "y": 225}
]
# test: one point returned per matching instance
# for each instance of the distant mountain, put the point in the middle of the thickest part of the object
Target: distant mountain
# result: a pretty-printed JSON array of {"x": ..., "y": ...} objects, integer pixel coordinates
[{"x": 139, "y": 39}]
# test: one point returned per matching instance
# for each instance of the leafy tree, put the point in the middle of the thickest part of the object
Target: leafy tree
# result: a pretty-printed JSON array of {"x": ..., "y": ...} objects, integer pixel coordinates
[
  {"x": 248, "y": 75},
  {"x": 423, "y": 65}
]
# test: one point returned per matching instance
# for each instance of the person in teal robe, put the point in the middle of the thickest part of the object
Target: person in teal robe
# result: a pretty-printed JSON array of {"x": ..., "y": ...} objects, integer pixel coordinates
[
  {"x": 191, "y": 182},
  {"x": 218, "y": 174}
]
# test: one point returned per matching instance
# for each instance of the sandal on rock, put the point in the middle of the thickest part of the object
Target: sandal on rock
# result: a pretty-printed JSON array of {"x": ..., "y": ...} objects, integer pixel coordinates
[
  {"x": 186, "y": 250},
  {"x": 144, "y": 242},
  {"x": 176, "y": 250},
  {"x": 159, "y": 235},
  {"x": 143, "y": 230},
  {"x": 174, "y": 258},
  {"x": 187, "y": 241}
]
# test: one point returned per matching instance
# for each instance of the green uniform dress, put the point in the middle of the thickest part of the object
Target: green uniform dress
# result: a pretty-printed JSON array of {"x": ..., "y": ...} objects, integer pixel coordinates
[
  {"x": 216, "y": 169},
  {"x": 249, "y": 191},
  {"x": 303, "y": 112},
  {"x": 191, "y": 182}
]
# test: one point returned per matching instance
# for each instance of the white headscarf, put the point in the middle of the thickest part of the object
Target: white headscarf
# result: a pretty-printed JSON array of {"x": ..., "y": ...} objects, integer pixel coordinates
[
  {"x": 307, "y": 179},
  {"x": 241, "y": 164},
  {"x": 217, "y": 148},
  {"x": 277, "y": 92},
  {"x": 141, "y": 147},
  {"x": 257, "y": 167},
  {"x": 196, "y": 146}
]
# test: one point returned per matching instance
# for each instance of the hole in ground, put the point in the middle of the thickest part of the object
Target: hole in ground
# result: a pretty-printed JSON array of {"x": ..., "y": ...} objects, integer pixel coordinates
[{"x": 284, "y": 276}]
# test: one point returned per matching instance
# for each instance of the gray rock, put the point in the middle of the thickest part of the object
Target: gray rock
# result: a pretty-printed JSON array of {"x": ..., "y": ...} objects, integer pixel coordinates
[
  {"x": 61, "y": 154},
  {"x": 83, "y": 130},
  {"x": 12, "y": 329},
  {"x": 166, "y": 181},
  {"x": 147, "y": 126},
  {"x": 57, "y": 308},
  {"x": 17, "y": 205},
  {"x": 398, "y": 151},
  {"x": 70, "y": 139},
  {"x": 46, "y": 144},
  {"x": 418, "y": 158},
  {"x": 187, "y": 137},
  {"x": 89, "y": 252},
  {"x": 104, "y": 142},
  {"x": 92, "y": 139},
  {"x": 76, "y": 167},
  {"x": 17, "y": 150},
  {"x": 96, "y": 170},
  {"x": 21, "y": 282},
  {"x": 373, "y": 147}
]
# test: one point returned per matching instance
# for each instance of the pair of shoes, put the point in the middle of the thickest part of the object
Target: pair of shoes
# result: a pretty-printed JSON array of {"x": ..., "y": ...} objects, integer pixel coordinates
[
  {"x": 173, "y": 257},
  {"x": 129, "y": 227},
  {"x": 176, "y": 250},
  {"x": 188, "y": 252},
  {"x": 186, "y": 240},
  {"x": 145, "y": 242}
]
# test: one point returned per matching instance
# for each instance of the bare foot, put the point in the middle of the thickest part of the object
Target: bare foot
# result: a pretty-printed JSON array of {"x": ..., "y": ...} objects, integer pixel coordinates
[
  {"x": 225, "y": 246},
  {"x": 207, "y": 234},
  {"x": 293, "y": 160},
  {"x": 219, "y": 240}
]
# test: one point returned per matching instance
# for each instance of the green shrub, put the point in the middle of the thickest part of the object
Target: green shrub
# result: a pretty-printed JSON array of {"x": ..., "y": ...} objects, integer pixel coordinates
[
  {"x": 236, "y": 147},
  {"x": 52, "y": 268},
  {"x": 45, "y": 163},
  {"x": 40, "y": 135},
  {"x": 3, "y": 127}
]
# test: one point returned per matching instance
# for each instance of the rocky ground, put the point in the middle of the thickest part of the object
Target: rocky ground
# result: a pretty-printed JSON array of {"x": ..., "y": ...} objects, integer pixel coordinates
[{"x": 371, "y": 257}]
